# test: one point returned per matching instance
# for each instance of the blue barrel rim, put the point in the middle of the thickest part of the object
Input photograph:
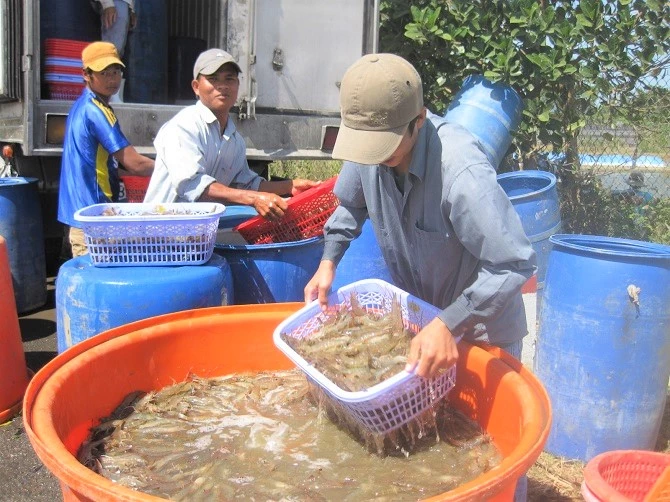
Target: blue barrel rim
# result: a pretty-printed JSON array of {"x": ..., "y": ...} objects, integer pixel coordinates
[
  {"x": 234, "y": 215},
  {"x": 269, "y": 246},
  {"x": 543, "y": 175},
  {"x": 627, "y": 248},
  {"x": 17, "y": 180},
  {"x": 478, "y": 78}
]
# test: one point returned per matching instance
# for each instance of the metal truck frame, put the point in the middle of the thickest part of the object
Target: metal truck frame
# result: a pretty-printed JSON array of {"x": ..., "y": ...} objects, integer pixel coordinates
[{"x": 292, "y": 54}]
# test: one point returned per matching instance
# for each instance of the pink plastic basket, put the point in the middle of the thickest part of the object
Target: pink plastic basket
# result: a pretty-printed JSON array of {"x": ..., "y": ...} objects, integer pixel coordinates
[{"x": 625, "y": 476}]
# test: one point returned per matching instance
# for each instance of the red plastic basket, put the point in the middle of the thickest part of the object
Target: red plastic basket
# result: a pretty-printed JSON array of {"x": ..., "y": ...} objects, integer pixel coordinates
[
  {"x": 625, "y": 476},
  {"x": 306, "y": 214},
  {"x": 136, "y": 187},
  {"x": 60, "y": 69},
  {"x": 64, "y": 48},
  {"x": 68, "y": 91}
]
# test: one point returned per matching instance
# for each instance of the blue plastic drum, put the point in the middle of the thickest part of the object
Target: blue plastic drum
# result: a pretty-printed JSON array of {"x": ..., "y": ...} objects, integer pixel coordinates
[
  {"x": 535, "y": 199},
  {"x": 146, "y": 55},
  {"x": 491, "y": 112},
  {"x": 272, "y": 273},
  {"x": 603, "y": 346},
  {"x": 363, "y": 260},
  {"x": 91, "y": 299},
  {"x": 21, "y": 226},
  {"x": 234, "y": 215}
]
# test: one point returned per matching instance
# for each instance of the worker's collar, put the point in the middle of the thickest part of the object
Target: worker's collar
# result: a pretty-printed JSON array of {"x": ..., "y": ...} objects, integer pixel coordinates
[{"x": 209, "y": 117}]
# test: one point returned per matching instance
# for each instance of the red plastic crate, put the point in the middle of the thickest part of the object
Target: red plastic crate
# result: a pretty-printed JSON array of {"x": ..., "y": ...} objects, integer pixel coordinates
[
  {"x": 136, "y": 187},
  {"x": 61, "y": 69},
  {"x": 305, "y": 217},
  {"x": 68, "y": 91},
  {"x": 64, "y": 48}
]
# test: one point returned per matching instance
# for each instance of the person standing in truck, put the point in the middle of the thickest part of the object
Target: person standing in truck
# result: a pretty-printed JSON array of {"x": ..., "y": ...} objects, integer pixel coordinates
[
  {"x": 94, "y": 144},
  {"x": 117, "y": 18},
  {"x": 200, "y": 155},
  {"x": 447, "y": 230}
]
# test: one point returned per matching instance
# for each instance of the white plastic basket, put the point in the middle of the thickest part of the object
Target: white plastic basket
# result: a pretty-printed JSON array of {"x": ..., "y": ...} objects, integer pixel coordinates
[
  {"x": 184, "y": 234},
  {"x": 398, "y": 399}
]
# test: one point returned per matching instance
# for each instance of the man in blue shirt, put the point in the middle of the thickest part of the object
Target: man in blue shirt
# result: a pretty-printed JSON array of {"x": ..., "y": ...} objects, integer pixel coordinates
[
  {"x": 447, "y": 230},
  {"x": 94, "y": 144}
]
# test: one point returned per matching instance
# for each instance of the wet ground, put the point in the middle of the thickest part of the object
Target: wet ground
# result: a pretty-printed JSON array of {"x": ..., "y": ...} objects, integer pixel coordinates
[{"x": 22, "y": 475}]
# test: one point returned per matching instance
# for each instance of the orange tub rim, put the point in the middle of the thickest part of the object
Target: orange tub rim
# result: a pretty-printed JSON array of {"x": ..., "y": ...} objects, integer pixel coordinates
[{"x": 42, "y": 430}]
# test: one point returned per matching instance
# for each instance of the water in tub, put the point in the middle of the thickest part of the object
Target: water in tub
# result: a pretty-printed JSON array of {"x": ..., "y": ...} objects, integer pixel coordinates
[{"x": 267, "y": 436}]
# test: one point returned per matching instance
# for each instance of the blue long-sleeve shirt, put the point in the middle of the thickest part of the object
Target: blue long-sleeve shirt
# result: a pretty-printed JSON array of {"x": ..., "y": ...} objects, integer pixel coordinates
[{"x": 449, "y": 234}]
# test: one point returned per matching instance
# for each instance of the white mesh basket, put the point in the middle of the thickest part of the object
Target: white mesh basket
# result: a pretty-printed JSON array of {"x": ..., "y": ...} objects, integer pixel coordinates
[
  {"x": 136, "y": 235},
  {"x": 398, "y": 399}
]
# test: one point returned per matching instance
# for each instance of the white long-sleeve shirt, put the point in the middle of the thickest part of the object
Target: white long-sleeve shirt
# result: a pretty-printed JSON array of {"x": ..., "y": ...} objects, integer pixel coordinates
[{"x": 192, "y": 153}]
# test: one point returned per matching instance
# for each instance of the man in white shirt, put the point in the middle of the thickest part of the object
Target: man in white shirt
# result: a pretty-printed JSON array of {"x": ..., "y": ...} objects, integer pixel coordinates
[{"x": 200, "y": 155}]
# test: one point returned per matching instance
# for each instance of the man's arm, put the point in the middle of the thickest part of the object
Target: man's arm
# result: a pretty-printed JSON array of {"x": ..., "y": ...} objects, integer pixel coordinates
[
  {"x": 268, "y": 205},
  {"x": 287, "y": 187},
  {"x": 133, "y": 162},
  {"x": 487, "y": 225}
]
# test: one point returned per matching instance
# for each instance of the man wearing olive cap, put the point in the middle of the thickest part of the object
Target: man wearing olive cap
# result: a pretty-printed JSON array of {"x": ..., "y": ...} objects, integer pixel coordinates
[
  {"x": 94, "y": 144},
  {"x": 447, "y": 230},
  {"x": 200, "y": 155}
]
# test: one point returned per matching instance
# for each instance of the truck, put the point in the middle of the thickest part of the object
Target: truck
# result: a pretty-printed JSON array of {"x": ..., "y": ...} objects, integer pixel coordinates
[{"x": 292, "y": 53}]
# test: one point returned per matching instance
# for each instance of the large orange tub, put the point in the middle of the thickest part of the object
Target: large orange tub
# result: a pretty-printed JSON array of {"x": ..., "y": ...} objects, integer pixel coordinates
[{"x": 86, "y": 382}]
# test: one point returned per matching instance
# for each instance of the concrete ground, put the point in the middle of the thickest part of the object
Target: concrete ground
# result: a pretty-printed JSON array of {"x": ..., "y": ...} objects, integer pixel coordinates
[{"x": 23, "y": 477}]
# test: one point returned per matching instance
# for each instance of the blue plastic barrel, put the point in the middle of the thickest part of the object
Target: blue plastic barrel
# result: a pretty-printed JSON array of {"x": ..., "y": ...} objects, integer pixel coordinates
[
  {"x": 535, "y": 199},
  {"x": 603, "y": 348},
  {"x": 147, "y": 55},
  {"x": 363, "y": 260},
  {"x": 491, "y": 112},
  {"x": 91, "y": 299},
  {"x": 234, "y": 215},
  {"x": 272, "y": 273},
  {"x": 21, "y": 226}
]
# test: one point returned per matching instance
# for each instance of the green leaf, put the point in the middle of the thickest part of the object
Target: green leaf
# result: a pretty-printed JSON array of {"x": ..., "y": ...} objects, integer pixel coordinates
[{"x": 583, "y": 21}]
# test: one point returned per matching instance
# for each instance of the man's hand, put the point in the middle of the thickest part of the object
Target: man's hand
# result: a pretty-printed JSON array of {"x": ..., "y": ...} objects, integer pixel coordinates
[
  {"x": 300, "y": 185},
  {"x": 433, "y": 350},
  {"x": 109, "y": 17},
  {"x": 319, "y": 285},
  {"x": 270, "y": 205}
]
